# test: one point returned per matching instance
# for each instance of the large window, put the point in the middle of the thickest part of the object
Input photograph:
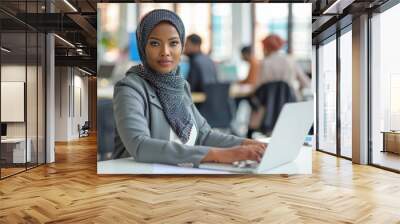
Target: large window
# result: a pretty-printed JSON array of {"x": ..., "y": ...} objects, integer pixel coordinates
[
  {"x": 221, "y": 31},
  {"x": 144, "y": 8},
  {"x": 269, "y": 19},
  {"x": 196, "y": 18},
  {"x": 335, "y": 137},
  {"x": 346, "y": 94},
  {"x": 385, "y": 84},
  {"x": 301, "y": 41},
  {"x": 327, "y": 96}
]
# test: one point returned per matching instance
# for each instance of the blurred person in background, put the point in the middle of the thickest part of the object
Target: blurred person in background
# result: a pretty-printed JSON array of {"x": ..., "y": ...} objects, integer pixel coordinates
[
  {"x": 277, "y": 66},
  {"x": 280, "y": 81},
  {"x": 202, "y": 70},
  {"x": 248, "y": 56},
  {"x": 156, "y": 121}
]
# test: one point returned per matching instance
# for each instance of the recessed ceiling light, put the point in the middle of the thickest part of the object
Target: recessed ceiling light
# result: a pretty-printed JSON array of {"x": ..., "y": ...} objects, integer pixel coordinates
[
  {"x": 338, "y": 6},
  {"x": 84, "y": 71},
  {"x": 70, "y": 5},
  {"x": 5, "y": 49},
  {"x": 64, "y": 40}
]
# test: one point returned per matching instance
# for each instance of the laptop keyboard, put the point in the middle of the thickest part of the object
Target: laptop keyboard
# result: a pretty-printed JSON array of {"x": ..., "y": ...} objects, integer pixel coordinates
[
  {"x": 245, "y": 163},
  {"x": 245, "y": 166}
]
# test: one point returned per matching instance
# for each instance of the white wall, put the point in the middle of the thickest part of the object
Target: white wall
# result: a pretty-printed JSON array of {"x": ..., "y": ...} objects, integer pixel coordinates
[
  {"x": 17, "y": 73},
  {"x": 80, "y": 89},
  {"x": 61, "y": 103},
  {"x": 33, "y": 126},
  {"x": 70, "y": 83}
]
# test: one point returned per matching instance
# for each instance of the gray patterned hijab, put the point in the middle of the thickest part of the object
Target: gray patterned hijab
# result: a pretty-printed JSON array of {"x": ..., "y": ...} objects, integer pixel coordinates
[{"x": 169, "y": 87}]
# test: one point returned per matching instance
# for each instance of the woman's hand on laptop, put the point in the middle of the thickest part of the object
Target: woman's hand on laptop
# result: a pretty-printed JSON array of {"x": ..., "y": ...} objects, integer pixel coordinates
[
  {"x": 249, "y": 141},
  {"x": 237, "y": 153}
]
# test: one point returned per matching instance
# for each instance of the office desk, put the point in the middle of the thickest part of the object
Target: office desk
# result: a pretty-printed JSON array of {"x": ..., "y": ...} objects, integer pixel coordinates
[
  {"x": 198, "y": 97},
  {"x": 391, "y": 141},
  {"x": 235, "y": 91},
  {"x": 13, "y": 150},
  {"x": 240, "y": 90},
  {"x": 301, "y": 165}
]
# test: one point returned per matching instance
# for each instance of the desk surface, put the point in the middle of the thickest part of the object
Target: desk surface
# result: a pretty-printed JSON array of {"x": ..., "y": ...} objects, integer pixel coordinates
[
  {"x": 391, "y": 132},
  {"x": 235, "y": 91},
  {"x": 13, "y": 140},
  {"x": 301, "y": 165}
]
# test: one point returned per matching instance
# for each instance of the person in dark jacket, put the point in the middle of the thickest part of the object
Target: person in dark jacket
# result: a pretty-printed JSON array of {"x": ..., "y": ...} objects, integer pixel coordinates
[{"x": 202, "y": 69}]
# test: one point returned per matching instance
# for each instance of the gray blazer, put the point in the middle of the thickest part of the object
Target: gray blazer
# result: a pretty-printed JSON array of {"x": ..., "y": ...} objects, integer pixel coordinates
[{"x": 143, "y": 132}]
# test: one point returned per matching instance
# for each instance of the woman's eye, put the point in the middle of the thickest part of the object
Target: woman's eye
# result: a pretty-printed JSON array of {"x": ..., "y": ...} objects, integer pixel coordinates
[
  {"x": 174, "y": 43},
  {"x": 154, "y": 43}
]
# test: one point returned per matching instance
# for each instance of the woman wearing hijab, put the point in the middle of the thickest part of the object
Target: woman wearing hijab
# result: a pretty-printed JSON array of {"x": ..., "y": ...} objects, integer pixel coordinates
[
  {"x": 156, "y": 120},
  {"x": 279, "y": 67}
]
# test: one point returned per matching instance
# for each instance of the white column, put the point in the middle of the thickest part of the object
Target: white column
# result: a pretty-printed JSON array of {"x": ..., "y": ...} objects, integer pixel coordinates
[
  {"x": 241, "y": 28},
  {"x": 63, "y": 104},
  {"x": 314, "y": 90},
  {"x": 50, "y": 99},
  {"x": 360, "y": 90}
]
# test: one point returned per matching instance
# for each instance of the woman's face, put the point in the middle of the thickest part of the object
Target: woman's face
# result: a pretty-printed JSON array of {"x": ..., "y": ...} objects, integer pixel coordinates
[{"x": 163, "y": 48}]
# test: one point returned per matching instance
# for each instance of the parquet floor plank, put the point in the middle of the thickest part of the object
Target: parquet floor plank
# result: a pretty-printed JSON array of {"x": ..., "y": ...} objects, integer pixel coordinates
[{"x": 70, "y": 191}]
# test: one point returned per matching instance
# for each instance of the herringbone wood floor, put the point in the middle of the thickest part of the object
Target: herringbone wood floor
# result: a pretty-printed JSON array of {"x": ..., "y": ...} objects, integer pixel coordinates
[{"x": 70, "y": 191}]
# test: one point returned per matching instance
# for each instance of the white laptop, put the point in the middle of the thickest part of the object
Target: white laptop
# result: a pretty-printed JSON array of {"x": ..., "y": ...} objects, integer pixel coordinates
[{"x": 287, "y": 138}]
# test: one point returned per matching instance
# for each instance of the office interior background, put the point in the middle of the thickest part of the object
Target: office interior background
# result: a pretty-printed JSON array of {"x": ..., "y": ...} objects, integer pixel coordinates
[
  {"x": 48, "y": 82},
  {"x": 49, "y": 74},
  {"x": 49, "y": 71},
  {"x": 224, "y": 28}
]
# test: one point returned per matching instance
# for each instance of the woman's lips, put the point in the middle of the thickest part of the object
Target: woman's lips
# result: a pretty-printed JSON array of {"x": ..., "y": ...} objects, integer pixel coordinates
[{"x": 165, "y": 63}]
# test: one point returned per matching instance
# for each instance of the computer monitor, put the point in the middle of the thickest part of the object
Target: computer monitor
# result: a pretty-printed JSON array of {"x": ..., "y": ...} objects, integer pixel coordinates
[{"x": 3, "y": 129}]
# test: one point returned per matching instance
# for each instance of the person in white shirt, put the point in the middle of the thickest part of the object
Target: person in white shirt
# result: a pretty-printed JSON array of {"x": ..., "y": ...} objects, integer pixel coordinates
[{"x": 277, "y": 66}]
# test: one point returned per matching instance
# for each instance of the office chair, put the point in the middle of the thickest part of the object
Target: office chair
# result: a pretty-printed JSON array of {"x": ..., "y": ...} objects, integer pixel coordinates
[
  {"x": 84, "y": 129},
  {"x": 105, "y": 129},
  {"x": 218, "y": 108},
  {"x": 267, "y": 103}
]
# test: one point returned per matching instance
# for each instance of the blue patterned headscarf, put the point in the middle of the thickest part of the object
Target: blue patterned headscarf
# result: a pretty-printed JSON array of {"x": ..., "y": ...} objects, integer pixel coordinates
[{"x": 169, "y": 87}]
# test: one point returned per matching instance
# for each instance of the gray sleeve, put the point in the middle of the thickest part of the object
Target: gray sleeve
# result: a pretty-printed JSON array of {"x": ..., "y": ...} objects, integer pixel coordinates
[{"x": 132, "y": 126}]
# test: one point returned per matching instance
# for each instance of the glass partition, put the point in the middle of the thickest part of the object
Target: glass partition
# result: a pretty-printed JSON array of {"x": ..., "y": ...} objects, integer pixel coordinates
[
  {"x": 31, "y": 97},
  {"x": 346, "y": 94},
  {"x": 14, "y": 153},
  {"x": 385, "y": 89},
  {"x": 22, "y": 89},
  {"x": 41, "y": 96},
  {"x": 327, "y": 97}
]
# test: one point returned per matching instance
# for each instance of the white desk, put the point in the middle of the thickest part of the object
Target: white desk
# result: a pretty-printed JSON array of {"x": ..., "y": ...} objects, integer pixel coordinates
[
  {"x": 301, "y": 165},
  {"x": 18, "y": 149},
  {"x": 235, "y": 91}
]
